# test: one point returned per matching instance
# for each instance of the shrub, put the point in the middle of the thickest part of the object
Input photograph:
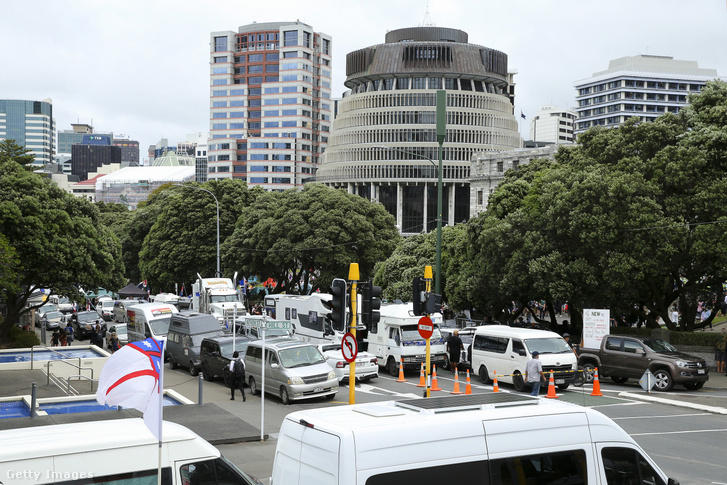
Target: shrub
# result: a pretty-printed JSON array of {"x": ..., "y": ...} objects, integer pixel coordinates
[
  {"x": 19, "y": 338},
  {"x": 701, "y": 339}
]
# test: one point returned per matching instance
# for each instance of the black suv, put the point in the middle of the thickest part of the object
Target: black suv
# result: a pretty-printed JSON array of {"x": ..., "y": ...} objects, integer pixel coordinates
[
  {"x": 85, "y": 324},
  {"x": 215, "y": 354}
]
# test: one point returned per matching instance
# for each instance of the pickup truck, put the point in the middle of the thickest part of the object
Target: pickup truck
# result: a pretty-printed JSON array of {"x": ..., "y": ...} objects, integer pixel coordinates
[{"x": 622, "y": 358}]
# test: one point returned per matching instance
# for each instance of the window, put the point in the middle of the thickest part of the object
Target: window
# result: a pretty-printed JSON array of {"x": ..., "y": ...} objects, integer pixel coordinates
[
  {"x": 237, "y": 114},
  {"x": 306, "y": 39},
  {"x": 219, "y": 104},
  {"x": 272, "y": 56},
  {"x": 613, "y": 343},
  {"x": 258, "y": 168},
  {"x": 219, "y": 115},
  {"x": 237, "y": 126},
  {"x": 471, "y": 472},
  {"x": 626, "y": 466},
  {"x": 220, "y": 70},
  {"x": 271, "y": 124},
  {"x": 219, "y": 126},
  {"x": 271, "y": 101},
  {"x": 290, "y": 37},
  {"x": 289, "y": 124},
  {"x": 490, "y": 344},
  {"x": 290, "y": 77},
  {"x": 271, "y": 68},
  {"x": 632, "y": 346},
  {"x": 256, "y": 69},
  {"x": 549, "y": 468},
  {"x": 255, "y": 80},
  {"x": 219, "y": 92},
  {"x": 238, "y": 102},
  {"x": 237, "y": 92},
  {"x": 272, "y": 113},
  {"x": 290, "y": 112},
  {"x": 402, "y": 83},
  {"x": 281, "y": 180},
  {"x": 255, "y": 58},
  {"x": 220, "y": 59},
  {"x": 290, "y": 89},
  {"x": 211, "y": 471},
  {"x": 290, "y": 100},
  {"x": 290, "y": 54},
  {"x": 220, "y": 44},
  {"x": 326, "y": 46},
  {"x": 435, "y": 83},
  {"x": 518, "y": 347},
  {"x": 500, "y": 166},
  {"x": 258, "y": 180},
  {"x": 219, "y": 82}
]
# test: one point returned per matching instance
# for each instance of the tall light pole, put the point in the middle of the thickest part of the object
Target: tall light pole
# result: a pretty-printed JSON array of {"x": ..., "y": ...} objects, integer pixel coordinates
[{"x": 217, "y": 205}]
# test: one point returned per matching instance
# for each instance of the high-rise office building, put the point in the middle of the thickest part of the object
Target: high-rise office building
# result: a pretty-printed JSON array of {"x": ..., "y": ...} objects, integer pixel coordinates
[
  {"x": 129, "y": 151},
  {"x": 87, "y": 158},
  {"x": 383, "y": 145},
  {"x": 31, "y": 125},
  {"x": 642, "y": 87},
  {"x": 270, "y": 103},
  {"x": 75, "y": 136},
  {"x": 552, "y": 125}
]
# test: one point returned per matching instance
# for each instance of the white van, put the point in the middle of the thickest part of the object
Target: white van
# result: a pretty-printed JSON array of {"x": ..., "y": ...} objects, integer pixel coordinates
[
  {"x": 122, "y": 451},
  {"x": 493, "y": 438},
  {"x": 149, "y": 320},
  {"x": 506, "y": 350},
  {"x": 396, "y": 339}
]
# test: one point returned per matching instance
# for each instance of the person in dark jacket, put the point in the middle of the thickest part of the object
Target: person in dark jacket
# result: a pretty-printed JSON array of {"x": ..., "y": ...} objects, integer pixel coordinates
[{"x": 237, "y": 376}]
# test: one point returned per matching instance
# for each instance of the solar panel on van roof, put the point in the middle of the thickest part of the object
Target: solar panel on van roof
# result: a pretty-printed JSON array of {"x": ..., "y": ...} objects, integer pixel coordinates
[{"x": 473, "y": 401}]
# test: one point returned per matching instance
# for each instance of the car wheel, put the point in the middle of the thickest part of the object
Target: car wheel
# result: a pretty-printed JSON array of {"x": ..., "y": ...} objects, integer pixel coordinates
[
  {"x": 663, "y": 379},
  {"x": 253, "y": 385},
  {"x": 330, "y": 397},
  {"x": 172, "y": 363},
  {"x": 284, "y": 397},
  {"x": 208, "y": 376},
  {"x": 518, "y": 382},
  {"x": 446, "y": 364},
  {"x": 563, "y": 387},
  {"x": 588, "y": 371},
  {"x": 484, "y": 375},
  {"x": 693, "y": 386},
  {"x": 391, "y": 367},
  {"x": 619, "y": 380},
  {"x": 193, "y": 369}
]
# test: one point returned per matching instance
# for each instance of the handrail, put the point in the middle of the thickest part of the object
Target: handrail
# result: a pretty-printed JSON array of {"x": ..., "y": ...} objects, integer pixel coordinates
[
  {"x": 69, "y": 363},
  {"x": 79, "y": 376}
]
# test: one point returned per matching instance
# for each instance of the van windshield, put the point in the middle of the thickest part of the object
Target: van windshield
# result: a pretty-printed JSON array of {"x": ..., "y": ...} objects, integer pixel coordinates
[
  {"x": 553, "y": 345},
  {"x": 223, "y": 298},
  {"x": 160, "y": 326},
  {"x": 410, "y": 333},
  {"x": 240, "y": 346},
  {"x": 300, "y": 356}
]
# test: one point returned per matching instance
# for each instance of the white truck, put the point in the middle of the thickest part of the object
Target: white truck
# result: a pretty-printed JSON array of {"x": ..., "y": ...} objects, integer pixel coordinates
[{"x": 218, "y": 297}]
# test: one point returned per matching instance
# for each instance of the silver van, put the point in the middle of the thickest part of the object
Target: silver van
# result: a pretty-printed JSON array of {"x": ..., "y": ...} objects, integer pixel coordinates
[
  {"x": 119, "y": 311},
  {"x": 294, "y": 370},
  {"x": 186, "y": 332}
]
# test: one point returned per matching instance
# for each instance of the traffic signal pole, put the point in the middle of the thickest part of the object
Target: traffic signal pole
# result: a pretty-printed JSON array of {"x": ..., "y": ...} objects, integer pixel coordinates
[
  {"x": 353, "y": 277},
  {"x": 428, "y": 279}
]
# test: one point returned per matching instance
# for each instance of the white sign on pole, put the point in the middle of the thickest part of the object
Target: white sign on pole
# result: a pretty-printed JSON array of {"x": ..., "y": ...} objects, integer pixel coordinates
[
  {"x": 595, "y": 327},
  {"x": 647, "y": 381}
]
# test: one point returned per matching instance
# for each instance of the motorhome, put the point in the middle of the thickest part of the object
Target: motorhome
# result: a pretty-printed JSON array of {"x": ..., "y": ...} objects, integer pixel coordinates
[
  {"x": 395, "y": 339},
  {"x": 307, "y": 313},
  {"x": 218, "y": 297},
  {"x": 492, "y": 438},
  {"x": 149, "y": 320},
  {"x": 186, "y": 332},
  {"x": 120, "y": 451}
]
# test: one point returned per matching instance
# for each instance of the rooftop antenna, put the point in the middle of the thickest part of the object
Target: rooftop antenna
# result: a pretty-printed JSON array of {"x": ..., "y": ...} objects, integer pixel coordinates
[{"x": 427, "y": 21}]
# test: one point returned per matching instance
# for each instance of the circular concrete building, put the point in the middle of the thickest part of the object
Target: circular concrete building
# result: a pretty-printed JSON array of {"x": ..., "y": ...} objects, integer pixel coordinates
[{"x": 385, "y": 129}]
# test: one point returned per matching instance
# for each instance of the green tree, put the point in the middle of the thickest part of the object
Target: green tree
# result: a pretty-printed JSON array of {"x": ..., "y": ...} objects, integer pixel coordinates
[
  {"x": 295, "y": 236},
  {"x": 11, "y": 151},
  {"x": 182, "y": 238},
  {"x": 50, "y": 239}
]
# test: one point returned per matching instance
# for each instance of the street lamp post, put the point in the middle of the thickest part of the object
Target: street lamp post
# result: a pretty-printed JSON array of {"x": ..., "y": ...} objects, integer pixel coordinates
[{"x": 217, "y": 206}]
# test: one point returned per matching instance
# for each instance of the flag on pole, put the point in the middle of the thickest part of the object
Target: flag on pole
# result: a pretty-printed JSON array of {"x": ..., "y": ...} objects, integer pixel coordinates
[
  {"x": 133, "y": 378},
  {"x": 522, "y": 115}
]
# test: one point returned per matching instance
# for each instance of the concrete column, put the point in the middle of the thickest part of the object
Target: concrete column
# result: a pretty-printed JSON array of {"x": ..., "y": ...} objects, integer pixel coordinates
[
  {"x": 450, "y": 222},
  {"x": 399, "y": 206},
  {"x": 426, "y": 186},
  {"x": 349, "y": 188}
]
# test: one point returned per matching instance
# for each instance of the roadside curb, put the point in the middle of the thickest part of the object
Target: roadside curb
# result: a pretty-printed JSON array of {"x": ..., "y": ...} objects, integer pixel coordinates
[{"x": 672, "y": 402}]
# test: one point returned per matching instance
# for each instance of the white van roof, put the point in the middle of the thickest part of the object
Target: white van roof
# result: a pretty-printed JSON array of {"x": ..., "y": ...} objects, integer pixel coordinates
[
  {"x": 53, "y": 440},
  {"x": 514, "y": 332},
  {"x": 148, "y": 307},
  {"x": 404, "y": 311}
]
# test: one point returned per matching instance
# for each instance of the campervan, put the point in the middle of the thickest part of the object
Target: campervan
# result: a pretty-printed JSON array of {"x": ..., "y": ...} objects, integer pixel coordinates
[{"x": 149, "y": 320}]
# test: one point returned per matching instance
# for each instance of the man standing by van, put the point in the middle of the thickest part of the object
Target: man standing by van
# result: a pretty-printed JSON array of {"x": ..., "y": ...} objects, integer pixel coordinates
[
  {"x": 237, "y": 376},
  {"x": 454, "y": 347},
  {"x": 534, "y": 373}
]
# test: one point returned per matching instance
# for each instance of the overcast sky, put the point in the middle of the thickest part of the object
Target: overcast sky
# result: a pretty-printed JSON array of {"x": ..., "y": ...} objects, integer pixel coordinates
[{"x": 141, "y": 68}]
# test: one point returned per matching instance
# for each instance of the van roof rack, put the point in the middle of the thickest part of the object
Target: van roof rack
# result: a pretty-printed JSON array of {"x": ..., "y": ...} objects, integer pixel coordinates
[{"x": 462, "y": 403}]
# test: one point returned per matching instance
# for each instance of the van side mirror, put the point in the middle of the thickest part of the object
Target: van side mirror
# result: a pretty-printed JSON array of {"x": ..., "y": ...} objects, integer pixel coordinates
[
  {"x": 274, "y": 366},
  {"x": 640, "y": 352},
  {"x": 521, "y": 353},
  {"x": 672, "y": 482}
]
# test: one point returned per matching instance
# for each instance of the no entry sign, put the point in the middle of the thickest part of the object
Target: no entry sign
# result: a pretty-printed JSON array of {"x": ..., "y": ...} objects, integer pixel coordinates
[
  {"x": 425, "y": 327},
  {"x": 349, "y": 347}
]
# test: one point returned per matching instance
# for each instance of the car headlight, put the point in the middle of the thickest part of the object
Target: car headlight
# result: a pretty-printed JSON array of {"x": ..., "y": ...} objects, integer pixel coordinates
[
  {"x": 681, "y": 363},
  {"x": 295, "y": 380},
  {"x": 331, "y": 375}
]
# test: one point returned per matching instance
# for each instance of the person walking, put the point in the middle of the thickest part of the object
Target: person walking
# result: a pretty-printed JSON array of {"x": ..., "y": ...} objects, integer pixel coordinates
[
  {"x": 534, "y": 373},
  {"x": 69, "y": 333},
  {"x": 55, "y": 339},
  {"x": 237, "y": 376},
  {"x": 454, "y": 347},
  {"x": 114, "y": 344}
]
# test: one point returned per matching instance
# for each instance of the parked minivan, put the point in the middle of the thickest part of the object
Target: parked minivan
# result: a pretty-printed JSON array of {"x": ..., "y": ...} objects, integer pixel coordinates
[
  {"x": 149, "y": 320},
  {"x": 294, "y": 370},
  {"x": 216, "y": 352},
  {"x": 120, "y": 307},
  {"x": 506, "y": 350},
  {"x": 490, "y": 438},
  {"x": 120, "y": 451},
  {"x": 186, "y": 332}
]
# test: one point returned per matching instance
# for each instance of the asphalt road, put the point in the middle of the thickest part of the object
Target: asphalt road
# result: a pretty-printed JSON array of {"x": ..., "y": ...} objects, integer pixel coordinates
[{"x": 687, "y": 444}]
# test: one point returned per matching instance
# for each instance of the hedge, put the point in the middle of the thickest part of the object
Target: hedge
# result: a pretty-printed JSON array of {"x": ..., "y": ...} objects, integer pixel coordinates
[{"x": 702, "y": 339}]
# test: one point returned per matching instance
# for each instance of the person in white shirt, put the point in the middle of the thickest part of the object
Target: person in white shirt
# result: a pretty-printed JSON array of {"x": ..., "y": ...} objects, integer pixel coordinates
[
  {"x": 534, "y": 373},
  {"x": 237, "y": 376}
]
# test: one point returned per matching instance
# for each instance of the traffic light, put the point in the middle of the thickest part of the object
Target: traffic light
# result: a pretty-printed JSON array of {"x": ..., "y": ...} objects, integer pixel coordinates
[
  {"x": 433, "y": 303},
  {"x": 370, "y": 304},
  {"x": 418, "y": 294},
  {"x": 338, "y": 304}
]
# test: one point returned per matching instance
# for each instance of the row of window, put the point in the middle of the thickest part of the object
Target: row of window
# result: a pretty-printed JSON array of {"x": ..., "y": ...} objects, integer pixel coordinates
[
  {"x": 417, "y": 117},
  {"x": 413, "y": 135},
  {"x": 448, "y": 83},
  {"x": 475, "y": 101},
  {"x": 387, "y": 172},
  {"x": 647, "y": 108},
  {"x": 636, "y": 83},
  {"x": 584, "y": 125},
  {"x": 674, "y": 98}
]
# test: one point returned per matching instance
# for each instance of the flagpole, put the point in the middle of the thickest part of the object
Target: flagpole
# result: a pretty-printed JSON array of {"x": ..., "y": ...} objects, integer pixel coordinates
[{"x": 161, "y": 409}]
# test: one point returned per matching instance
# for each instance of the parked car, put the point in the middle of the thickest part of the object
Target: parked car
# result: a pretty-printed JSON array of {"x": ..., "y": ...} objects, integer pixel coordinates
[
  {"x": 367, "y": 367},
  {"x": 186, "y": 332},
  {"x": 85, "y": 324},
  {"x": 40, "y": 312},
  {"x": 105, "y": 308},
  {"x": 120, "y": 306},
  {"x": 120, "y": 330},
  {"x": 294, "y": 370},
  {"x": 215, "y": 355},
  {"x": 52, "y": 320},
  {"x": 622, "y": 358}
]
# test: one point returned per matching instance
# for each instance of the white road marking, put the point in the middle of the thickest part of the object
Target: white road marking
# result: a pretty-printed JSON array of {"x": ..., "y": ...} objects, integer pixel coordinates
[
  {"x": 680, "y": 432},
  {"x": 673, "y": 402},
  {"x": 664, "y": 416},
  {"x": 378, "y": 391}
]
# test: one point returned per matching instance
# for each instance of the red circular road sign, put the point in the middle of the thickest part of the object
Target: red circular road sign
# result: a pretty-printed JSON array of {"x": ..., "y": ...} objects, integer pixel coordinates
[
  {"x": 425, "y": 327},
  {"x": 349, "y": 347}
]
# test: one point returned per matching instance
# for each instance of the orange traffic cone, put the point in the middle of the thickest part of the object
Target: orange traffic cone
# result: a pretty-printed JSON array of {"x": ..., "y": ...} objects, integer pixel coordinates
[
  {"x": 422, "y": 380},
  {"x": 495, "y": 387},
  {"x": 468, "y": 387},
  {"x": 435, "y": 383},
  {"x": 551, "y": 388},
  {"x": 596, "y": 384},
  {"x": 456, "y": 383},
  {"x": 401, "y": 372}
]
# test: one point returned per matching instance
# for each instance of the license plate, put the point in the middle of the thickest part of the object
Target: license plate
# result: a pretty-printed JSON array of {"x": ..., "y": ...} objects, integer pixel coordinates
[
  {"x": 318, "y": 389},
  {"x": 700, "y": 371},
  {"x": 560, "y": 381}
]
